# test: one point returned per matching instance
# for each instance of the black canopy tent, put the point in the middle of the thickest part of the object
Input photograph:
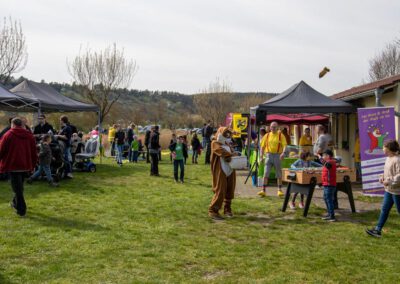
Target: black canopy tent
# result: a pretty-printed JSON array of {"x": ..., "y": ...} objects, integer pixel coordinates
[
  {"x": 49, "y": 99},
  {"x": 301, "y": 98},
  {"x": 12, "y": 102}
]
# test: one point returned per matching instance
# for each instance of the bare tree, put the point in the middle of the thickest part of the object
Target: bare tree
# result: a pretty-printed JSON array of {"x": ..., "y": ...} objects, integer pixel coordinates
[
  {"x": 249, "y": 101},
  {"x": 13, "y": 54},
  {"x": 101, "y": 73},
  {"x": 214, "y": 102},
  {"x": 385, "y": 64}
]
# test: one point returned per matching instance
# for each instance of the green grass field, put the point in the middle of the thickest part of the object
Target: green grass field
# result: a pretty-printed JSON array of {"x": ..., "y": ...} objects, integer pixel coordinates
[{"x": 120, "y": 225}]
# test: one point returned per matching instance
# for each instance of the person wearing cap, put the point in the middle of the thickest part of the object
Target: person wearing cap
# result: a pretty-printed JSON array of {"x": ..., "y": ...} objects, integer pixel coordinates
[
  {"x": 43, "y": 127},
  {"x": 273, "y": 145}
]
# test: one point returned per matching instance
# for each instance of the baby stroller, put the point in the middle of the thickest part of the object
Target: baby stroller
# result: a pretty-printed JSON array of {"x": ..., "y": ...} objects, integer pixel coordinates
[
  {"x": 83, "y": 161},
  {"x": 57, "y": 163}
]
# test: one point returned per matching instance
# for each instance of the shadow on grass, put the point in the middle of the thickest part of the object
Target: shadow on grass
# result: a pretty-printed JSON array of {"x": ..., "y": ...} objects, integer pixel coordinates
[
  {"x": 3, "y": 279},
  {"x": 64, "y": 223}
]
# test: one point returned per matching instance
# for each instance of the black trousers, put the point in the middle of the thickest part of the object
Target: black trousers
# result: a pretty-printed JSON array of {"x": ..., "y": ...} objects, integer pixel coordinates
[
  {"x": 17, "y": 185},
  {"x": 208, "y": 153},
  {"x": 154, "y": 164},
  {"x": 147, "y": 155}
]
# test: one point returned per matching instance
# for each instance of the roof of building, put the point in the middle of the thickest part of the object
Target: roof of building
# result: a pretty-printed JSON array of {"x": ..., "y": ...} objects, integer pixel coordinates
[{"x": 367, "y": 87}]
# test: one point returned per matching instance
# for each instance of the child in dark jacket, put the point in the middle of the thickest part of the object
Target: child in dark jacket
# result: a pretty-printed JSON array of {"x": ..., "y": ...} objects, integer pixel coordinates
[
  {"x": 45, "y": 157},
  {"x": 329, "y": 184},
  {"x": 196, "y": 146}
]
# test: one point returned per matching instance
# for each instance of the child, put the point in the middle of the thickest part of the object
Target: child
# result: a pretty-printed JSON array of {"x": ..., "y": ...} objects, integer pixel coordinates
[
  {"x": 135, "y": 149},
  {"x": 120, "y": 142},
  {"x": 391, "y": 181},
  {"x": 45, "y": 158},
  {"x": 179, "y": 151},
  {"x": 196, "y": 148},
  {"x": 303, "y": 162},
  {"x": 329, "y": 183}
]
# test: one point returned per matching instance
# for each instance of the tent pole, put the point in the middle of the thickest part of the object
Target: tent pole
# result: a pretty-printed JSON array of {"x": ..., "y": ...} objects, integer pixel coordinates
[{"x": 100, "y": 136}]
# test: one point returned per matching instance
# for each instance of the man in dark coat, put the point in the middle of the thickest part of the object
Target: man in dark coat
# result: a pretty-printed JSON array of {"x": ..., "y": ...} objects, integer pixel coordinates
[
  {"x": 207, "y": 137},
  {"x": 17, "y": 157},
  {"x": 146, "y": 144},
  {"x": 154, "y": 148},
  {"x": 43, "y": 127}
]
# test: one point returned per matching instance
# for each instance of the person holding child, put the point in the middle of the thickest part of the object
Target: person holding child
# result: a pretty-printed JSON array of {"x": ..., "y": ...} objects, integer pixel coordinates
[
  {"x": 304, "y": 162},
  {"x": 391, "y": 181},
  {"x": 179, "y": 152},
  {"x": 45, "y": 158}
]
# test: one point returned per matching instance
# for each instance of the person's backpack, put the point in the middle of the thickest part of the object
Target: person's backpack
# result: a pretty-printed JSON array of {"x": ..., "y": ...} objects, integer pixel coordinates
[{"x": 73, "y": 128}]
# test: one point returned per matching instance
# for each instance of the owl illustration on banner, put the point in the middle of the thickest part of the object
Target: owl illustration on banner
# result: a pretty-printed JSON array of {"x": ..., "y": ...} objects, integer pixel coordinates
[{"x": 376, "y": 138}]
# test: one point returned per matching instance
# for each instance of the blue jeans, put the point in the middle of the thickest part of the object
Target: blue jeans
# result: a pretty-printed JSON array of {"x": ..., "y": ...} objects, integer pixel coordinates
[
  {"x": 120, "y": 153},
  {"x": 181, "y": 164},
  {"x": 47, "y": 171},
  {"x": 387, "y": 204},
  {"x": 329, "y": 192},
  {"x": 135, "y": 155}
]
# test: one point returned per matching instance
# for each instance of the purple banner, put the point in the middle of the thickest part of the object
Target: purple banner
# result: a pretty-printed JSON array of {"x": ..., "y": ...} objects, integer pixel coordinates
[{"x": 376, "y": 125}]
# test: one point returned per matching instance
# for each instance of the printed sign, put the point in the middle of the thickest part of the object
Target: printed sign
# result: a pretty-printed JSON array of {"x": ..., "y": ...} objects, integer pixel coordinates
[
  {"x": 239, "y": 124},
  {"x": 376, "y": 125}
]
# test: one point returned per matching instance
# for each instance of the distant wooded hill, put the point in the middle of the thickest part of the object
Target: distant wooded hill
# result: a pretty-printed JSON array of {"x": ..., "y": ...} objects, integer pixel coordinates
[{"x": 170, "y": 109}]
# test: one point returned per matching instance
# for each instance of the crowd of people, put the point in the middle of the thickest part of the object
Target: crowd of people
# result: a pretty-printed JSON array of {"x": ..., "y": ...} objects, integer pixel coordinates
[{"x": 25, "y": 150}]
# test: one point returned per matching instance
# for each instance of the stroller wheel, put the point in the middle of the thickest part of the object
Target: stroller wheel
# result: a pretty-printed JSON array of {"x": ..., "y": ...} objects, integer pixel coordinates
[{"x": 92, "y": 168}]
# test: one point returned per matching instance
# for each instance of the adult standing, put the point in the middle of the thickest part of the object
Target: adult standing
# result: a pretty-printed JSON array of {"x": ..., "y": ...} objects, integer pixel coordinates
[
  {"x": 224, "y": 177},
  {"x": 120, "y": 142},
  {"x": 146, "y": 144},
  {"x": 286, "y": 134},
  {"x": 7, "y": 128},
  {"x": 306, "y": 141},
  {"x": 273, "y": 146},
  {"x": 17, "y": 157},
  {"x": 43, "y": 127},
  {"x": 203, "y": 134},
  {"x": 111, "y": 138},
  {"x": 323, "y": 141},
  {"x": 65, "y": 135},
  {"x": 207, "y": 136},
  {"x": 154, "y": 148}
]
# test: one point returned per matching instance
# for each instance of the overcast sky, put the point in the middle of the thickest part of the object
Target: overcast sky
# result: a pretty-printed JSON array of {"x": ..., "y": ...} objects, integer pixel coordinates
[{"x": 183, "y": 45}]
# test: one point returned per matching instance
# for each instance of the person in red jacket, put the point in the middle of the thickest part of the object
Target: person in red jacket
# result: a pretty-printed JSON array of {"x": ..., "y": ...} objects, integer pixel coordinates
[
  {"x": 17, "y": 157},
  {"x": 329, "y": 183}
]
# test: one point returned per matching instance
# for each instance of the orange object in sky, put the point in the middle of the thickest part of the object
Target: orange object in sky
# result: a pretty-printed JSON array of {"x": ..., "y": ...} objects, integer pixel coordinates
[{"x": 323, "y": 72}]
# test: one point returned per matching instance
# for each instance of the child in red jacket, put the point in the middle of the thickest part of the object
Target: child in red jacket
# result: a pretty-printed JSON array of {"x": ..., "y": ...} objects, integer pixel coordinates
[{"x": 329, "y": 184}]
